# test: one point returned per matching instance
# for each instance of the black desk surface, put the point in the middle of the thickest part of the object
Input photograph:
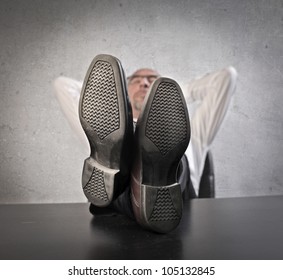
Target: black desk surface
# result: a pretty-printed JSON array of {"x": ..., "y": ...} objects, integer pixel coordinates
[{"x": 230, "y": 228}]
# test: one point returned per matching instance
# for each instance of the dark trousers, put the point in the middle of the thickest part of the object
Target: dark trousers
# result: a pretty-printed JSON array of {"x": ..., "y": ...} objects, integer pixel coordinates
[{"x": 123, "y": 203}]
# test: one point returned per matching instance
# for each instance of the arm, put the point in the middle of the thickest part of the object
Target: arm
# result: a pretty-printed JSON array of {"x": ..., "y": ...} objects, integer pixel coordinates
[
  {"x": 67, "y": 92},
  {"x": 214, "y": 91}
]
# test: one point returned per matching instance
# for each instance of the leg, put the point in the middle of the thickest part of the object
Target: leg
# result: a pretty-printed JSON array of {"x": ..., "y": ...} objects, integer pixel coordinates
[{"x": 123, "y": 203}]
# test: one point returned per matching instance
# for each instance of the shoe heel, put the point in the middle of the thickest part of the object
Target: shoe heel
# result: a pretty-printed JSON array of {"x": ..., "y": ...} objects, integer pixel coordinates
[
  {"x": 163, "y": 207},
  {"x": 98, "y": 182}
]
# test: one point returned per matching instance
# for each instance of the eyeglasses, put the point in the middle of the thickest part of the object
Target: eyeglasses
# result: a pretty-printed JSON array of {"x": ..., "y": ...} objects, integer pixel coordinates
[{"x": 137, "y": 79}]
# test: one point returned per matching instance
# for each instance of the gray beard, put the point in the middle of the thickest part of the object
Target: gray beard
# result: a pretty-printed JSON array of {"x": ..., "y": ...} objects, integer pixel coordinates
[{"x": 137, "y": 106}]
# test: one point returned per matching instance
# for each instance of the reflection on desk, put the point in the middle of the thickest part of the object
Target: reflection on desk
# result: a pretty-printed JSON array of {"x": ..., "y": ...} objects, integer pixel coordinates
[{"x": 228, "y": 228}]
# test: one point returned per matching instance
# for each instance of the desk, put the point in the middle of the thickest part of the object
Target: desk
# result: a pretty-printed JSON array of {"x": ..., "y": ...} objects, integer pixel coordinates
[{"x": 228, "y": 228}]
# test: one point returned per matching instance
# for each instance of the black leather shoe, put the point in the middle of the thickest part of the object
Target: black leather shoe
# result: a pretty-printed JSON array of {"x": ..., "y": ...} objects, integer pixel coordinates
[
  {"x": 161, "y": 138},
  {"x": 106, "y": 117}
]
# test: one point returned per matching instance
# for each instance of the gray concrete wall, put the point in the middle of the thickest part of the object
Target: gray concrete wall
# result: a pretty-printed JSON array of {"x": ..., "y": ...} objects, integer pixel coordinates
[{"x": 41, "y": 159}]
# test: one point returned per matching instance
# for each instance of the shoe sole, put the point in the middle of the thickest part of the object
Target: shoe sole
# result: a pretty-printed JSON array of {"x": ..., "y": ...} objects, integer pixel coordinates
[
  {"x": 105, "y": 117},
  {"x": 163, "y": 136}
]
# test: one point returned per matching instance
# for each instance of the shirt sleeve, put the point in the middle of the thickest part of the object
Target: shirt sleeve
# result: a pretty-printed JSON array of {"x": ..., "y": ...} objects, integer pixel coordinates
[
  {"x": 67, "y": 92},
  {"x": 213, "y": 93}
]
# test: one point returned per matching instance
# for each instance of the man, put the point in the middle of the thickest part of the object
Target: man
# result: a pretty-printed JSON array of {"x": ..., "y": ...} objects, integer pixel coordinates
[{"x": 143, "y": 172}]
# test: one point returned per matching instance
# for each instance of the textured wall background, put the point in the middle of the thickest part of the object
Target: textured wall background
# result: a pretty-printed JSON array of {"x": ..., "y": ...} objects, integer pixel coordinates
[{"x": 41, "y": 159}]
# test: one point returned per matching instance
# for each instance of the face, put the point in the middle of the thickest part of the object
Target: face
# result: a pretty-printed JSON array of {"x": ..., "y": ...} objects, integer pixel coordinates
[{"x": 138, "y": 86}]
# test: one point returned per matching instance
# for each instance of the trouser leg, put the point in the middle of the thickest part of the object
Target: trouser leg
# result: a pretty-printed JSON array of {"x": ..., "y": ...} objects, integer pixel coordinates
[{"x": 123, "y": 203}]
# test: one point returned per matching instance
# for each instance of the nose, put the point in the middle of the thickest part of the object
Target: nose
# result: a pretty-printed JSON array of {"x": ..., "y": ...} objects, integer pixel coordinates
[{"x": 144, "y": 83}]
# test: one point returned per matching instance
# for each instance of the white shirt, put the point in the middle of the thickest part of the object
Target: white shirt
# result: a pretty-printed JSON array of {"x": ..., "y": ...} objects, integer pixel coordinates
[{"x": 210, "y": 96}]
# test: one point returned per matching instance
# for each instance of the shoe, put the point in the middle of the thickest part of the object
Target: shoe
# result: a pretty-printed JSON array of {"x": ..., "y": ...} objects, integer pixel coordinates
[
  {"x": 106, "y": 117},
  {"x": 161, "y": 138}
]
